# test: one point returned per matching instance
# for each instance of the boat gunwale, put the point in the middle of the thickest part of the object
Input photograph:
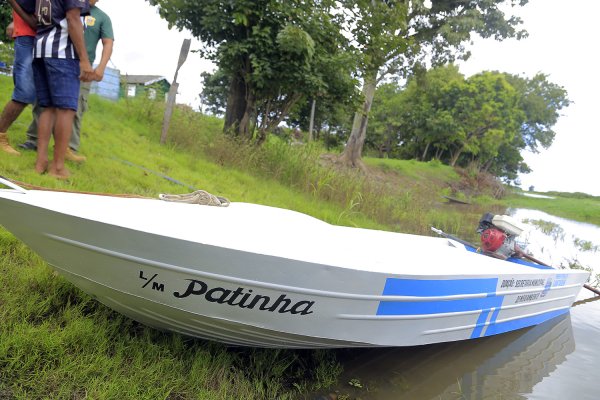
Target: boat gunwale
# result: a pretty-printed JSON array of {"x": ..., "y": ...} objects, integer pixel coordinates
[
  {"x": 293, "y": 289},
  {"x": 385, "y": 272}
]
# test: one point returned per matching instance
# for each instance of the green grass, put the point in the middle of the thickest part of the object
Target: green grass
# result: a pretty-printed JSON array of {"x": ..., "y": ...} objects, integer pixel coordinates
[
  {"x": 417, "y": 171},
  {"x": 56, "y": 342},
  {"x": 578, "y": 208}
]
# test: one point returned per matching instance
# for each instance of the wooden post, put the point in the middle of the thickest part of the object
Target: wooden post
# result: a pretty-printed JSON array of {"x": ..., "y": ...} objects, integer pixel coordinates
[{"x": 185, "y": 49}]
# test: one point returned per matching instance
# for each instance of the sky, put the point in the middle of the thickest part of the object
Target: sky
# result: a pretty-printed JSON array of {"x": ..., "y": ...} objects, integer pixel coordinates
[{"x": 560, "y": 45}]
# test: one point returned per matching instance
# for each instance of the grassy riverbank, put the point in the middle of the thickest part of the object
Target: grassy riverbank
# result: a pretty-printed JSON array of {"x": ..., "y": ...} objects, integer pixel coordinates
[
  {"x": 56, "y": 342},
  {"x": 576, "y": 206}
]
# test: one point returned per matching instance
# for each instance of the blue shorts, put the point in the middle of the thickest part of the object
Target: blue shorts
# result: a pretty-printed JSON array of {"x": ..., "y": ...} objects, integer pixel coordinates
[
  {"x": 57, "y": 82},
  {"x": 24, "y": 91}
]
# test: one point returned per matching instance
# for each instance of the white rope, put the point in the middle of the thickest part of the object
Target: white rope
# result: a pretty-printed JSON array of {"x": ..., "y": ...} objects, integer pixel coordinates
[{"x": 201, "y": 197}]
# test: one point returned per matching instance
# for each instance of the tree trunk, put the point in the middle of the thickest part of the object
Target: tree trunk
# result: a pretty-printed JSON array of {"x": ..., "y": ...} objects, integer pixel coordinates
[
  {"x": 353, "y": 151},
  {"x": 236, "y": 105},
  {"x": 240, "y": 102},
  {"x": 245, "y": 130},
  {"x": 455, "y": 156},
  {"x": 487, "y": 165},
  {"x": 269, "y": 124},
  {"x": 425, "y": 151}
]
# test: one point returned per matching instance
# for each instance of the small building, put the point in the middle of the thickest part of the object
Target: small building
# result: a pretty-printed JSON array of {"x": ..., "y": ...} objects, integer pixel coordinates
[
  {"x": 109, "y": 86},
  {"x": 153, "y": 86}
]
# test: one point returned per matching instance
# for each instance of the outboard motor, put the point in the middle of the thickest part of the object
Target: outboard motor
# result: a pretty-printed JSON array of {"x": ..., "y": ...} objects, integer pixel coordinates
[{"x": 498, "y": 235}]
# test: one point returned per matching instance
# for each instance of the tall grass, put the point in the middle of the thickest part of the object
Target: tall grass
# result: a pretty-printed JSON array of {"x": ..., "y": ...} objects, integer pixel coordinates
[{"x": 407, "y": 208}]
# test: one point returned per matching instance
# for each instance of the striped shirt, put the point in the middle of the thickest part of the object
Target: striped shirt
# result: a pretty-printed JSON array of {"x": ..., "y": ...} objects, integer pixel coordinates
[{"x": 52, "y": 39}]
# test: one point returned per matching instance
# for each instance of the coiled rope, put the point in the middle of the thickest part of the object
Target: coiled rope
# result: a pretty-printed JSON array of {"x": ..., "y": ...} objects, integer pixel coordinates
[{"x": 200, "y": 197}]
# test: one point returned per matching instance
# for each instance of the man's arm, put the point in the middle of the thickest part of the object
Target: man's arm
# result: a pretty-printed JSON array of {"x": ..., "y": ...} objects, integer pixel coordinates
[
  {"x": 9, "y": 30},
  {"x": 28, "y": 18},
  {"x": 76, "y": 35},
  {"x": 107, "y": 48}
]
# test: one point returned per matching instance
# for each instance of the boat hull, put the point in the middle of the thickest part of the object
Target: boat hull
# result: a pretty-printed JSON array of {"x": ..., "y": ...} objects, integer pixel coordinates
[{"x": 246, "y": 298}]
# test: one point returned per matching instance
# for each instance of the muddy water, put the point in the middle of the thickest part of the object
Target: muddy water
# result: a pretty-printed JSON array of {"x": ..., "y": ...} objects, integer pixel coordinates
[{"x": 554, "y": 360}]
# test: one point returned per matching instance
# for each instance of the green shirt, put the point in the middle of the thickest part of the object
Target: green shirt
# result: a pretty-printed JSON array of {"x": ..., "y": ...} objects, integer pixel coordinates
[{"x": 98, "y": 26}]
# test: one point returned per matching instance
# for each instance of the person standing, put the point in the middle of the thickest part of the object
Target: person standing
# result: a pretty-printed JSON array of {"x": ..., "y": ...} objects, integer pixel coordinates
[
  {"x": 23, "y": 33},
  {"x": 98, "y": 28},
  {"x": 59, "y": 62}
]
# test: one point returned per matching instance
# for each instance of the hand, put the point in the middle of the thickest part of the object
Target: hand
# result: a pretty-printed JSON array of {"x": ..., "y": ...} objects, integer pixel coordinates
[
  {"x": 10, "y": 30},
  {"x": 98, "y": 74},
  {"x": 86, "y": 71}
]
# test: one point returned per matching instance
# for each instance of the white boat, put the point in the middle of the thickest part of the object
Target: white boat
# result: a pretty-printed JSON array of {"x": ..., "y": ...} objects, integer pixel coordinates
[{"x": 254, "y": 275}]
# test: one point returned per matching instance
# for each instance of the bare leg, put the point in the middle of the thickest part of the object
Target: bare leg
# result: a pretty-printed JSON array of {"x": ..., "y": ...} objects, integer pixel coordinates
[
  {"x": 46, "y": 122},
  {"x": 11, "y": 112},
  {"x": 62, "y": 134}
]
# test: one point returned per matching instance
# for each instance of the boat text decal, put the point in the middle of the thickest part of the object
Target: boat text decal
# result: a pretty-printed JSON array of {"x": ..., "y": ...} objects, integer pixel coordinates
[
  {"x": 527, "y": 297},
  {"x": 521, "y": 283},
  {"x": 244, "y": 298},
  {"x": 239, "y": 297}
]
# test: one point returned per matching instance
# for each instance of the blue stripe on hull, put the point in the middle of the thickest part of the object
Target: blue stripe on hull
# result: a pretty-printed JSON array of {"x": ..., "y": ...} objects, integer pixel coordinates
[
  {"x": 438, "y": 306},
  {"x": 438, "y": 287},
  {"x": 492, "y": 303}
]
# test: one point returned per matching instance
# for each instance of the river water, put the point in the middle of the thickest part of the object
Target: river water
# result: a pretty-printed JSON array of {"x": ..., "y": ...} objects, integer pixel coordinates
[{"x": 555, "y": 360}]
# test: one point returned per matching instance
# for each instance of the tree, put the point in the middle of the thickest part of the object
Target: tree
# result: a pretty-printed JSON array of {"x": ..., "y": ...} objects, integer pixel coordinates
[
  {"x": 394, "y": 36},
  {"x": 415, "y": 116},
  {"x": 6, "y": 46},
  {"x": 541, "y": 101},
  {"x": 428, "y": 111},
  {"x": 270, "y": 51},
  {"x": 333, "y": 104},
  {"x": 385, "y": 122},
  {"x": 5, "y": 19},
  {"x": 485, "y": 121},
  {"x": 214, "y": 91},
  {"x": 485, "y": 107}
]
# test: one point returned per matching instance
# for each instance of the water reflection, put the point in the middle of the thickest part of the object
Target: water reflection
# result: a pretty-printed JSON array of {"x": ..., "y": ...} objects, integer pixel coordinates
[
  {"x": 495, "y": 367},
  {"x": 559, "y": 241}
]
